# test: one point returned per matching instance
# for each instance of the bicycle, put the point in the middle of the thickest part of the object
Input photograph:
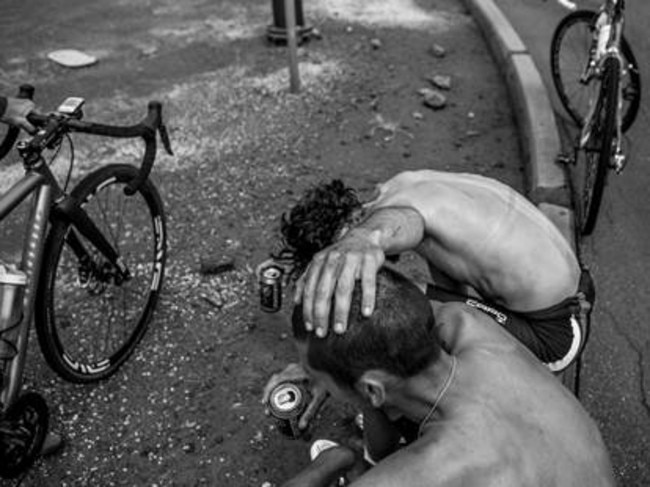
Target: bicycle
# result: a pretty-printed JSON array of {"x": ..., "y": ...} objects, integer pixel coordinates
[
  {"x": 597, "y": 80},
  {"x": 93, "y": 259}
]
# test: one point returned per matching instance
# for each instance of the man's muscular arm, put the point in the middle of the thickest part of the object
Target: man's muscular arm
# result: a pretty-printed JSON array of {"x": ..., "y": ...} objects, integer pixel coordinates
[{"x": 357, "y": 255}]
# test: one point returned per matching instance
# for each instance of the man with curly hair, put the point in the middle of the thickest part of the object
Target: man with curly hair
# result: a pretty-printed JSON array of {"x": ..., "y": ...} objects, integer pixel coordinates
[{"x": 485, "y": 244}]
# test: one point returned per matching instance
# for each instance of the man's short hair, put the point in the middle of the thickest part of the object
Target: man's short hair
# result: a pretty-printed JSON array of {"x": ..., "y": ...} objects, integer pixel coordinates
[
  {"x": 398, "y": 337},
  {"x": 316, "y": 219}
]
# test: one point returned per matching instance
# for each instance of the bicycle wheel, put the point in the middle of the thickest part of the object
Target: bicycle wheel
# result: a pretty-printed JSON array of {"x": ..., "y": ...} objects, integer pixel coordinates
[
  {"x": 599, "y": 150},
  {"x": 90, "y": 319},
  {"x": 570, "y": 48}
]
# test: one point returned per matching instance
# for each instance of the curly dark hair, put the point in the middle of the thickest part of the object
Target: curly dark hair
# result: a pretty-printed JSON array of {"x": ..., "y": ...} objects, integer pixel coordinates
[{"x": 315, "y": 221}]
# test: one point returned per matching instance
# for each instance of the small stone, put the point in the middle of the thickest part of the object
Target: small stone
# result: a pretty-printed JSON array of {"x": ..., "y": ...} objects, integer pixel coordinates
[
  {"x": 471, "y": 115},
  {"x": 441, "y": 81},
  {"x": 436, "y": 50},
  {"x": 418, "y": 115},
  {"x": 316, "y": 33},
  {"x": 348, "y": 29},
  {"x": 435, "y": 100},
  {"x": 375, "y": 43}
]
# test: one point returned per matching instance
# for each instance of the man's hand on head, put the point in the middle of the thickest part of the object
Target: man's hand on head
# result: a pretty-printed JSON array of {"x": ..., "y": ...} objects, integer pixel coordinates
[{"x": 332, "y": 274}]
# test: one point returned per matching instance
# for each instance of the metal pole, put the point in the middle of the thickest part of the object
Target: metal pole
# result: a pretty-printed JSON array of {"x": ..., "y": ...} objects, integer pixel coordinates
[{"x": 290, "y": 16}]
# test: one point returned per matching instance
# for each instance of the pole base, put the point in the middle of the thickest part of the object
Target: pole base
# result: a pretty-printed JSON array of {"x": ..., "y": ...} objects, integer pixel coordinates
[{"x": 279, "y": 35}]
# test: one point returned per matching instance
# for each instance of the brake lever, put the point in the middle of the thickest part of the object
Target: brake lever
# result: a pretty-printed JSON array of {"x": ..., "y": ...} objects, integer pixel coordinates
[{"x": 164, "y": 138}]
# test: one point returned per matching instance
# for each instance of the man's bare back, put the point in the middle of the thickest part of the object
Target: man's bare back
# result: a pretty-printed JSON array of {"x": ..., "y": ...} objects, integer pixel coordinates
[
  {"x": 495, "y": 427},
  {"x": 481, "y": 232},
  {"x": 473, "y": 231}
]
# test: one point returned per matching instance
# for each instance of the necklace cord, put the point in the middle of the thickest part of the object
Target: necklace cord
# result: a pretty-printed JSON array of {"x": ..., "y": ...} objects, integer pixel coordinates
[{"x": 448, "y": 382}]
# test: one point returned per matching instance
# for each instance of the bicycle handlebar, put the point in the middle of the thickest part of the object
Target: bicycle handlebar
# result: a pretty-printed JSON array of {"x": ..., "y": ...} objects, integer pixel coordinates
[{"x": 54, "y": 125}]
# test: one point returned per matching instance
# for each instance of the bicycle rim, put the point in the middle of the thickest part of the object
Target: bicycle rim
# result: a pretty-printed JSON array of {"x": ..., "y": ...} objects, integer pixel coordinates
[
  {"x": 89, "y": 322},
  {"x": 570, "y": 47},
  {"x": 600, "y": 149}
]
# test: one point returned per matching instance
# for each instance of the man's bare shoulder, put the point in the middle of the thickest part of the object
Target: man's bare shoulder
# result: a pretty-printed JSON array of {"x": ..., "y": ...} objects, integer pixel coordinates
[
  {"x": 460, "y": 326},
  {"x": 435, "y": 460},
  {"x": 424, "y": 191},
  {"x": 419, "y": 464}
]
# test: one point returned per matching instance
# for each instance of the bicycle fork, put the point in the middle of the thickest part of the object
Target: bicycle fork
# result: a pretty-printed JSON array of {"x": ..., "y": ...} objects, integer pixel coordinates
[{"x": 70, "y": 210}]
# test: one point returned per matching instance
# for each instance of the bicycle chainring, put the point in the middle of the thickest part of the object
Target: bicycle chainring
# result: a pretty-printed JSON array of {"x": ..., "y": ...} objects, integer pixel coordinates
[{"x": 22, "y": 432}]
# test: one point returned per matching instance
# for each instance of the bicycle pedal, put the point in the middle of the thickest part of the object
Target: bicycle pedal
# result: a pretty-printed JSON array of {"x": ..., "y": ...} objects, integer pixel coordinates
[{"x": 565, "y": 159}]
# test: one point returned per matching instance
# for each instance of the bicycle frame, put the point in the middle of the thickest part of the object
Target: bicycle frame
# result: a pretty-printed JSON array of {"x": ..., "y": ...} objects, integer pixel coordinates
[
  {"x": 50, "y": 202},
  {"x": 30, "y": 264}
]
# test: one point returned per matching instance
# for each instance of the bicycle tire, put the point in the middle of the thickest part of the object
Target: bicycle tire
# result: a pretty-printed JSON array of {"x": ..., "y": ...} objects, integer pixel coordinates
[
  {"x": 569, "y": 56},
  {"x": 599, "y": 149},
  {"x": 83, "y": 334}
]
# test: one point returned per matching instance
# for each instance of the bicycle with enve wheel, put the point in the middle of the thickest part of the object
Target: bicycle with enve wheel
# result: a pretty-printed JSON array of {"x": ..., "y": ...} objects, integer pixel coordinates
[
  {"x": 91, "y": 270},
  {"x": 597, "y": 80}
]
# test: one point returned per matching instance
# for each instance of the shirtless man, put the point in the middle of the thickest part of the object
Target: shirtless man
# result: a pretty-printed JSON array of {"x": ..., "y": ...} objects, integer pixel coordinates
[
  {"x": 488, "y": 413},
  {"x": 471, "y": 230}
]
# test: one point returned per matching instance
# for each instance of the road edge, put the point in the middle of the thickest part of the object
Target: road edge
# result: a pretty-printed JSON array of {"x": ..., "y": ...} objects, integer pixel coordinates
[{"x": 547, "y": 183}]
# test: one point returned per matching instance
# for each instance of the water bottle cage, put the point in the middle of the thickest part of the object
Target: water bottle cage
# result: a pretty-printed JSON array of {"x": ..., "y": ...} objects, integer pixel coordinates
[{"x": 10, "y": 344}]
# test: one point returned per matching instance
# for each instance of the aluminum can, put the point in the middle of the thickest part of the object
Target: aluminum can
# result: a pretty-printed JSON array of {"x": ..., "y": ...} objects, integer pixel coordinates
[
  {"x": 287, "y": 403},
  {"x": 271, "y": 288}
]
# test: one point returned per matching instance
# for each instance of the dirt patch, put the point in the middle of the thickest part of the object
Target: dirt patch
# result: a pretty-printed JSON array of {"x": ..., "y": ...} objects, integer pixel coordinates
[
  {"x": 406, "y": 14},
  {"x": 185, "y": 409}
]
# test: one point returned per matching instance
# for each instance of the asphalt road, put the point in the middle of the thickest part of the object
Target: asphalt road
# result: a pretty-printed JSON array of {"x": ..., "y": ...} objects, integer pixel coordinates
[{"x": 615, "y": 378}]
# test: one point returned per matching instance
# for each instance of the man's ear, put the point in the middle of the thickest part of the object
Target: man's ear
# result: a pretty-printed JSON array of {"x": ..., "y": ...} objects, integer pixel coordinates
[{"x": 372, "y": 386}]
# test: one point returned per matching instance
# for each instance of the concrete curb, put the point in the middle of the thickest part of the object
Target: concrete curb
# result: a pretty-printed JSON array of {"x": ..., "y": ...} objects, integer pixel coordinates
[{"x": 539, "y": 137}]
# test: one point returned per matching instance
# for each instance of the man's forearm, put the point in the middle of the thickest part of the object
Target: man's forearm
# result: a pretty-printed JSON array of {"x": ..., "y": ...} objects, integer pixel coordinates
[{"x": 393, "y": 229}]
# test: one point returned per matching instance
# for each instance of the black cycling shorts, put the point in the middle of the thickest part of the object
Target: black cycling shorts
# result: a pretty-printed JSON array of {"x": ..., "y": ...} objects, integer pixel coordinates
[{"x": 556, "y": 335}]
